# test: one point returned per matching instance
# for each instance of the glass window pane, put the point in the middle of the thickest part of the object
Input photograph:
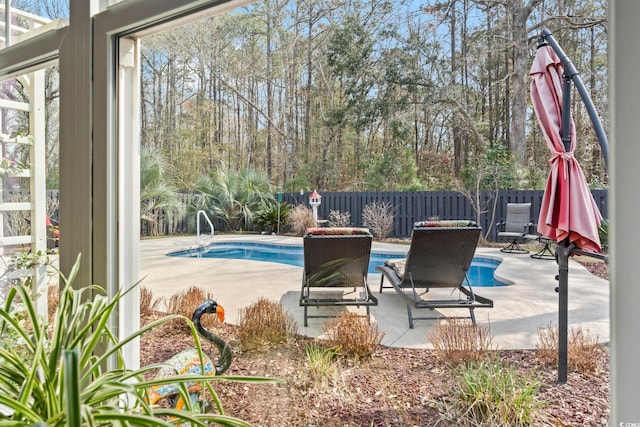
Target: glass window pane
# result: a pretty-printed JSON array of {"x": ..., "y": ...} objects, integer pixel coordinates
[
  {"x": 29, "y": 200},
  {"x": 28, "y": 18}
]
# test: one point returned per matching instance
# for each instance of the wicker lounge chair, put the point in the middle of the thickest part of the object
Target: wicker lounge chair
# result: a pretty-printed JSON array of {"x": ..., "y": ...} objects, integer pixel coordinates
[
  {"x": 517, "y": 227},
  {"x": 335, "y": 259},
  {"x": 438, "y": 260}
]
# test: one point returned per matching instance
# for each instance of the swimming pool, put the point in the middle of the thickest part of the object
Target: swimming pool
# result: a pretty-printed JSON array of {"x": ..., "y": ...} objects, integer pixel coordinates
[{"x": 481, "y": 272}]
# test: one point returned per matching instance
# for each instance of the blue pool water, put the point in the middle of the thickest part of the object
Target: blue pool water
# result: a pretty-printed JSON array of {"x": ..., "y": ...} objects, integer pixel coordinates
[{"x": 481, "y": 272}]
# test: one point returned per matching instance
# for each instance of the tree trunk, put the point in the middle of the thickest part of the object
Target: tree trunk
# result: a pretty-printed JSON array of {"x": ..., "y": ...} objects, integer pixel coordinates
[
  {"x": 519, "y": 87},
  {"x": 457, "y": 133},
  {"x": 307, "y": 108},
  {"x": 269, "y": 99}
]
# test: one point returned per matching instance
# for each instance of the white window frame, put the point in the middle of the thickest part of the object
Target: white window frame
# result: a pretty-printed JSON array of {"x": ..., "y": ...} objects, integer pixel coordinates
[
  {"x": 115, "y": 157},
  {"x": 99, "y": 136}
]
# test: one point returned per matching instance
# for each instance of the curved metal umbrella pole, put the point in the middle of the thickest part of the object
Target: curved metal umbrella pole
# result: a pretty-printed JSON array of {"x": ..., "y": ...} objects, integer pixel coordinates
[{"x": 564, "y": 248}]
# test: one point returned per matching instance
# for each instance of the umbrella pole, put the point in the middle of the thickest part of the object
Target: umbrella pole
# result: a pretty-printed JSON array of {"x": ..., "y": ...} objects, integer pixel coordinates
[
  {"x": 563, "y": 251},
  {"x": 565, "y": 123}
]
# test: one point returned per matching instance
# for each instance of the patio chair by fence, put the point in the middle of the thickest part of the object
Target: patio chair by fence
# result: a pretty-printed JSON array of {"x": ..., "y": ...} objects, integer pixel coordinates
[{"x": 516, "y": 227}]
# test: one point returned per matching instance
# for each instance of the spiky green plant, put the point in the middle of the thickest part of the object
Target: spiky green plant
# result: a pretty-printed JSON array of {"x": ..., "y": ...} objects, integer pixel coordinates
[
  {"x": 489, "y": 392},
  {"x": 272, "y": 218},
  {"x": 58, "y": 375},
  {"x": 320, "y": 359}
]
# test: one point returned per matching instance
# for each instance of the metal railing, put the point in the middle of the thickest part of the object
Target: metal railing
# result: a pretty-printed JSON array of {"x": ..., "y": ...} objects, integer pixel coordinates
[{"x": 199, "y": 237}]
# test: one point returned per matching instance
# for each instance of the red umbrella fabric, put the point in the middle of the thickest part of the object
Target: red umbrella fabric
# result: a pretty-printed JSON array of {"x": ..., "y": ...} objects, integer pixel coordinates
[{"x": 568, "y": 208}]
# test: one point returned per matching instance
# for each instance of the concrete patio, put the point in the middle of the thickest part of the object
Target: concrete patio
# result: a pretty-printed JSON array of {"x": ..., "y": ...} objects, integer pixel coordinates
[{"x": 519, "y": 310}]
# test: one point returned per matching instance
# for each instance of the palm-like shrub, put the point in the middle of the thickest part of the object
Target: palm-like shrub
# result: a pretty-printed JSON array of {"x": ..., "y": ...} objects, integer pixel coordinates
[
  {"x": 232, "y": 196},
  {"x": 272, "y": 215},
  {"x": 157, "y": 189},
  {"x": 56, "y": 375}
]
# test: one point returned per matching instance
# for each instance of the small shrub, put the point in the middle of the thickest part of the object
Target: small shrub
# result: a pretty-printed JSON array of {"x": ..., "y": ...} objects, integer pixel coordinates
[
  {"x": 583, "y": 350},
  {"x": 264, "y": 324},
  {"x": 299, "y": 219},
  {"x": 320, "y": 360},
  {"x": 353, "y": 335},
  {"x": 490, "y": 393},
  {"x": 272, "y": 216},
  {"x": 339, "y": 219},
  {"x": 458, "y": 341},
  {"x": 379, "y": 218},
  {"x": 148, "y": 305},
  {"x": 185, "y": 303}
]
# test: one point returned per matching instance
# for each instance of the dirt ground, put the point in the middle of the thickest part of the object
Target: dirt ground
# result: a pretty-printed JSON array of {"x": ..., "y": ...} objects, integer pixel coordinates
[{"x": 396, "y": 387}]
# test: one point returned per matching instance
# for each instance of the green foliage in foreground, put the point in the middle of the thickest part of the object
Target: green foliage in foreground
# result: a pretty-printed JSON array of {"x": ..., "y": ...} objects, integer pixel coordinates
[{"x": 55, "y": 375}]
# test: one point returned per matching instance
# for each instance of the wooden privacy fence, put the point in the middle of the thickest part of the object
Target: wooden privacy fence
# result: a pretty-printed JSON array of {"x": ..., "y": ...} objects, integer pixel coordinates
[
  {"x": 412, "y": 206},
  {"x": 409, "y": 206}
]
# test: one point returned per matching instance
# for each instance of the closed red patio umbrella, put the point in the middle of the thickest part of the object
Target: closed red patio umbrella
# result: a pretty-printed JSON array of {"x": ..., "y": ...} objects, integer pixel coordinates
[
  {"x": 568, "y": 210},
  {"x": 568, "y": 213}
]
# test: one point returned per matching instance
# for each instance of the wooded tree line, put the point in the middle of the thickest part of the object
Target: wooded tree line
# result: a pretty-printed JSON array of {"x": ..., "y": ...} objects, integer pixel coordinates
[
  {"x": 360, "y": 95},
  {"x": 377, "y": 95}
]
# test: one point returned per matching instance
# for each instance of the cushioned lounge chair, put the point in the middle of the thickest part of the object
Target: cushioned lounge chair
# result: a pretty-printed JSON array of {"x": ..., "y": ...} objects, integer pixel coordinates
[
  {"x": 517, "y": 227},
  {"x": 437, "y": 263},
  {"x": 336, "y": 264}
]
